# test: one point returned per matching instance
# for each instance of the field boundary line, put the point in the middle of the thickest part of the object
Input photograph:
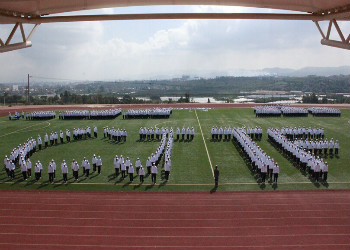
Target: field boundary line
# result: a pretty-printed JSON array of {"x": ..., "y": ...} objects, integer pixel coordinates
[
  {"x": 206, "y": 148},
  {"x": 18, "y": 130}
]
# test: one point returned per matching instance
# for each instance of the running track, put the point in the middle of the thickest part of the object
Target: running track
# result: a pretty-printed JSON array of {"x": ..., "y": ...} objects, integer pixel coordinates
[{"x": 229, "y": 220}]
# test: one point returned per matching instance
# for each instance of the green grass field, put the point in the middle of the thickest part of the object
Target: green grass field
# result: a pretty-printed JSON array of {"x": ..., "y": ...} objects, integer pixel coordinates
[{"x": 191, "y": 170}]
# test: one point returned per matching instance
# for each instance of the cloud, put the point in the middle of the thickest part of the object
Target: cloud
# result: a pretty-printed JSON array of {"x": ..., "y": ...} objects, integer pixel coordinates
[{"x": 143, "y": 49}]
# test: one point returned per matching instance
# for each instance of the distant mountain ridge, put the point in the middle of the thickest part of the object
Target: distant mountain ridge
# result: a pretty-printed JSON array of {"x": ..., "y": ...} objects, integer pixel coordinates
[{"x": 318, "y": 71}]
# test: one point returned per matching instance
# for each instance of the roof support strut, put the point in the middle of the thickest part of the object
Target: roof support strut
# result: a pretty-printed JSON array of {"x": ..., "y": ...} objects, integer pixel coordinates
[
  {"x": 26, "y": 43},
  {"x": 343, "y": 43}
]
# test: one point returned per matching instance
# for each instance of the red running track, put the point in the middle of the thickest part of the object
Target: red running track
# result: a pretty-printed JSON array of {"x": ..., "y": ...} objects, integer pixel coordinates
[{"x": 229, "y": 220}]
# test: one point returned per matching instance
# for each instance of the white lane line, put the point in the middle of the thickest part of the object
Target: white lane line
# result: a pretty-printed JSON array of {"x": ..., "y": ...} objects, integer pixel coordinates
[
  {"x": 17, "y": 131},
  {"x": 173, "y": 236},
  {"x": 206, "y": 148},
  {"x": 173, "y": 205},
  {"x": 167, "y": 219},
  {"x": 169, "y": 227},
  {"x": 114, "y": 246}
]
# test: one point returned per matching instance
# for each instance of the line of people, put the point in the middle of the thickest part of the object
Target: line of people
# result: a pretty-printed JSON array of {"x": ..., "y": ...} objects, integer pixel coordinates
[
  {"x": 117, "y": 135},
  {"x": 260, "y": 163},
  {"x": 302, "y": 133},
  {"x": 307, "y": 161},
  {"x": 155, "y": 113},
  {"x": 40, "y": 115},
  {"x": 294, "y": 111},
  {"x": 324, "y": 111},
  {"x": 217, "y": 133},
  {"x": 319, "y": 146}
]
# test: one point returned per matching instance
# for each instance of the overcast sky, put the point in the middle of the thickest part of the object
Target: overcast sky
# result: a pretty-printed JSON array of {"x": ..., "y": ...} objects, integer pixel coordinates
[{"x": 146, "y": 49}]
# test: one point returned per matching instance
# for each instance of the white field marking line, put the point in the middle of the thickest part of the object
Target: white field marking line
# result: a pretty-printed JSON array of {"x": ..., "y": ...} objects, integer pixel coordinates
[
  {"x": 18, "y": 130},
  {"x": 41, "y": 127},
  {"x": 166, "y": 219},
  {"x": 274, "y": 246},
  {"x": 200, "y": 127},
  {"x": 172, "y": 205},
  {"x": 73, "y": 197},
  {"x": 168, "y": 212},
  {"x": 164, "y": 227},
  {"x": 168, "y": 184},
  {"x": 173, "y": 236}
]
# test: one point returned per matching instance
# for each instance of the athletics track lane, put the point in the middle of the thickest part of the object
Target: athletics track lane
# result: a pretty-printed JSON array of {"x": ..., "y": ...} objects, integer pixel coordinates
[{"x": 131, "y": 220}]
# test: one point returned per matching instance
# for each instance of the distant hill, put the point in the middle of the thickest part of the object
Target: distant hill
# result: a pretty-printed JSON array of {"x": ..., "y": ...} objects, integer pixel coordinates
[{"x": 317, "y": 71}]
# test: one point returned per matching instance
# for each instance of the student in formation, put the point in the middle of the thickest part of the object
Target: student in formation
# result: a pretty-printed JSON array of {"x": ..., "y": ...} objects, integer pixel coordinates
[
  {"x": 54, "y": 168},
  {"x": 99, "y": 164},
  {"x": 123, "y": 169},
  {"x": 37, "y": 171},
  {"x": 64, "y": 169},
  {"x": 116, "y": 164},
  {"x": 276, "y": 171},
  {"x": 24, "y": 169},
  {"x": 131, "y": 173},
  {"x": 167, "y": 170},
  {"x": 76, "y": 170},
  {"x": 87, "y": 168},
  {"x": 137, "y": 165},
  {"x": 94, "y": 161},
  {"x": 29, "y": 168},
  {"x": 50, "y": 172},
  {"x": 141, "y": 173},
  {"x": 154, "y": 172}
]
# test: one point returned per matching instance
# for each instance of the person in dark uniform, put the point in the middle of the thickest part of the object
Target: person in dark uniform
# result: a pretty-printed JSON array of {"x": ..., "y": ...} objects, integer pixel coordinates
[{"x": 216, "y": 176}]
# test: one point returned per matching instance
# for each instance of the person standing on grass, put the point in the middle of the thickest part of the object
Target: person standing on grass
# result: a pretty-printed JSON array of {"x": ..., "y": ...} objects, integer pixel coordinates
[
  {"x": 64, "y": 169},
  {"x": 76, "y": 170},
  {"x": 24, "y": 169},
  {"x": 116, "y": 163},
  {"x": 37, "y": 171},
  {"x": 216, "y": 176},
  {"x": 94, "y": 161},
  {"x": 167, "y": 170},
  {"x": 50, "y": 172},
  {"x": 141, "y": 173},
  {"x": 137, "y": 165},
  {"x": 99, "y": 164},
  {"x": 29, "y": 168},
  {"x": 87, "y": 168},
  {"x": 131, "y": 173},
  {"x": 276, "y": 171},
  {"x": 154, "y": 172},
  {"x": 123, "y": 169}
]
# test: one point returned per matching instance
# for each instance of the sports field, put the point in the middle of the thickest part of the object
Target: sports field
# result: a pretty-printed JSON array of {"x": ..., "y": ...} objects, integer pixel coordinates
[{"x": 192, "y": 162}]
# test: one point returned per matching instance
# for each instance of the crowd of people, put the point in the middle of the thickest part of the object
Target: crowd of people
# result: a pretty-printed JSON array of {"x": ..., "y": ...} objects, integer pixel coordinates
[
  {"x": 263, "y": 165},
  {"x": 294, "y": 111},
  {"x": 40, "y": 115},
  {"x": 324, "y": 111},
  {"x": 105, "y": 114},
  {"x": 267, "y": 111},
  {"x": 86, "y": 114},
  {"x": 302, "y": 133},
  {"x": 156, "y": 113},
  {"x": 117, "y": 135},
  {"x": 218, "y": 133},
  {"x": 305, "y": 159},
  {"x": 74, "y": 114}
]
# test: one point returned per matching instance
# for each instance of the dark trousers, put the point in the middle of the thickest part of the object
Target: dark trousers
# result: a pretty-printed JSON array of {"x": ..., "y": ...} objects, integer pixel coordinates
[
  {"x": 123, "y": 173},
  {"x": 141, "y": 178},
  {"x": 131, "y": 176},
  {"x": 61, "y": 140},
  {"x": 95, "y": 134},
  {"x": 29, "y": 172},
  {"x": 263, "y": 177},
  {"x": 94, "y": 167},
  {"x": 75, "y": 174},
  {"x": 83, "y": 170},
  {"x": 50, "y": 177},
  {"x": 87, "y": 172},
  {"x": 148, "y": 169},
  {"x": 24, "y": 173},
  {"x": 325, "y": 175},
  {"x": 65, "y": 177},
  {"x": 275, "y": 177},
  {"x": 99, "y": 169},
  {"x": 154, "y": 178},
  {"x": 216, "y": 181},
  {"x": 167, "y": 175},
  {"x": 116, "y": 172},
  {"x": 37, "y": 176}
]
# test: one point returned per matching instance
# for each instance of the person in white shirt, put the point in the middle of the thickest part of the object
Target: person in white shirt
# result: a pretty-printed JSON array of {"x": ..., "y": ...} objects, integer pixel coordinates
[
  {"x": 149, "y": 165},
  {"x": 29, "y": 168},
  {"x": 123, "y": 169},
  {"x": 336, "y": 147},
  {"x": 154, "y": 172},
  {"x": 325, "y": 171},
  {"x": 95, "y": 131},
  {"x": 141, "y": 173},
  {"x": 64, "y": 169},
  {"x": 83, "y": 165},
  {"x": 37, "y": 171},
  {"x": 99, "y": 164},
  {"x": 24, "y": 169},
  {"x": 116, "y": 164},
  {"x": 276, "y": 171},
  {"x": 94, "y": 161},
  {"x": 167, "y": 170},
  {"x": 76, "y": 170},
  {"x": 137, "y": 165},
  {"x": 131, "y": 173},
  {"x": 87, "y": 168},
  {"x": 50, "y": 172}
]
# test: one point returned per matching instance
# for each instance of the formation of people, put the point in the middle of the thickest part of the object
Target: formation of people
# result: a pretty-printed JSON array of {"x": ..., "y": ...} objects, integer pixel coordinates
[
  {"x": 324, "y": 111},
  {"x": 156, "y": 113},
  {"x": 302, "y": 133},
  {"x": 219, "y": 133},
  {"x": 305, "y": 159},
  {"x": 267, "y": 111},
  {"x": 294, "y": 111},
  {"x": 261, "y": 164},
  {"x": 117, "y": 135},
  {"x": 40, "y": 115}
]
